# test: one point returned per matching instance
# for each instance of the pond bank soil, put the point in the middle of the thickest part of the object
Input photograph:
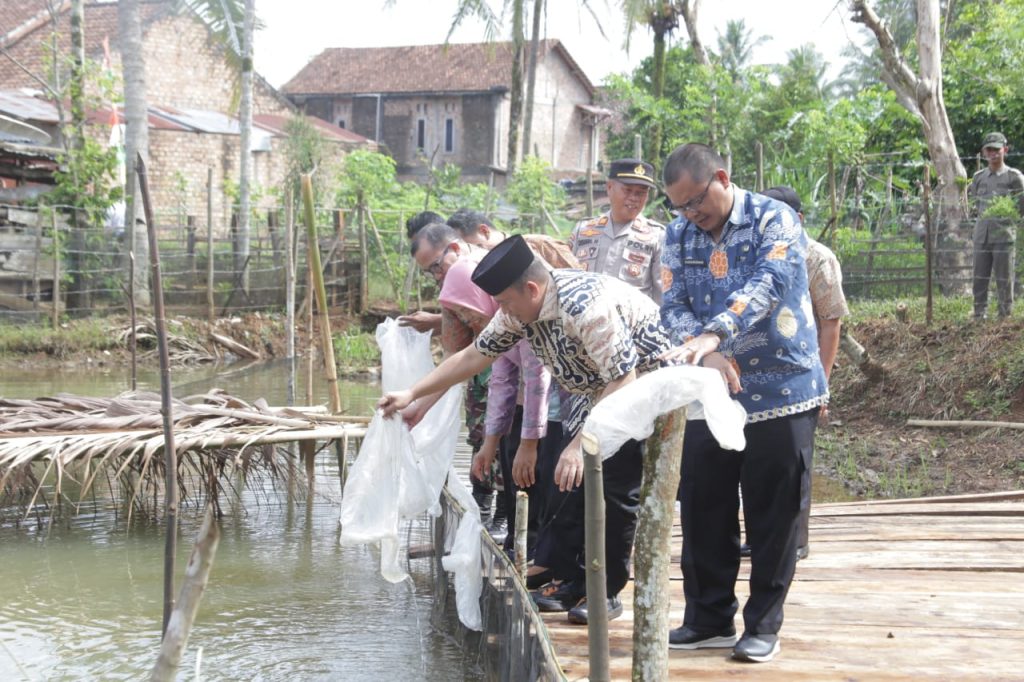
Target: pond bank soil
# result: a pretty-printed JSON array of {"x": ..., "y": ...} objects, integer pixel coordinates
[{"x": 949, "y": 371}]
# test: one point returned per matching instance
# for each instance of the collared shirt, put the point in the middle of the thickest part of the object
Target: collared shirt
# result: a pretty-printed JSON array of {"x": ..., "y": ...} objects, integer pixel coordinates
[
  {"x": 592, "y": 330},
  {"x": 825, "y": 282},
  {"x": 985, "y": 186},
  {"x": 554, "y": 252},
  {"x": 503, "y": 392},
  {"x": 633, "y": 254},
  {"x": 751, "y": 289}
]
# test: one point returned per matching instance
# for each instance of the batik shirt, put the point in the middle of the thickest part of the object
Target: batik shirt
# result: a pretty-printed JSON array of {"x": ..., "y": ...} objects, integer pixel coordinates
[
  {"x": 592, "y": 330},
  {"x": 751, "y": 289}
]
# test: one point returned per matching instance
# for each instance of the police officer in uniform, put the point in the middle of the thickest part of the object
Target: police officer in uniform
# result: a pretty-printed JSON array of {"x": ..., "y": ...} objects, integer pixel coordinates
[
  {"x": 623, "y": 243},
  {"x": 994, "y": 236}
]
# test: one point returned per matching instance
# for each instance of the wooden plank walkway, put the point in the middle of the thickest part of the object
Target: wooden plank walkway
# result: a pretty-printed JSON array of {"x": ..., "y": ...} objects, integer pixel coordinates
[{"x": 892, "y": 590}]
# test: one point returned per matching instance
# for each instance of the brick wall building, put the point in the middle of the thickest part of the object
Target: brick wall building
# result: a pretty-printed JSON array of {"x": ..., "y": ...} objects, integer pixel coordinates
[
  {"x": 189, "y": 88},
  {"x": 449, "y": 104}
]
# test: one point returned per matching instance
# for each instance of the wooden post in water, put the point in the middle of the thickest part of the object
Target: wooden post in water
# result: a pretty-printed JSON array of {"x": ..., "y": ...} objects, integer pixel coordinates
[
  {"x": 197, "y": 574},
  {"x": 596, "y": 566},
  {"x": 522, "y": 521},
  {"x": 211, "y": 311},
  {"x": 321, "y": 297},
  {"x": 652, "y": 560},
  {"x": 926, "y": 200},
  {"x": 170, "y": 454}
]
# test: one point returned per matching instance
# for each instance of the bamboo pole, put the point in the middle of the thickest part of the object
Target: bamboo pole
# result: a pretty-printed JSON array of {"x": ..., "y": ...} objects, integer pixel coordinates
[
  {"x": 211, "y": 310},
  {"x": 321, "y": 297},
  {"x": 289, "y": 284},
  {"x": 392, "y": 280},
  {"x": 638, "y": 147},
  {"x": 133, "y": 337},
  {"x": 522, "y": 521},
  {"x": 170, "y": 454},
  {"x": 56, "y": 270},
  {"x": 652, "y": 554},
  {"x": 364, "y": 266},
  {"x": 36, "y": 289},
  {"x": 926, "y": 200},
  {"x": 197, "y": 574},
  {"x": 597, "y": 585},
  {"x": 964, "y": 424}
]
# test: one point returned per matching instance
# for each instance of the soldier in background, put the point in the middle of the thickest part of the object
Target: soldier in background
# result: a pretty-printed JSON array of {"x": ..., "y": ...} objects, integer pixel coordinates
[
  {"x": 994, "y": 236},
  {"x": 623, "y": 243}
]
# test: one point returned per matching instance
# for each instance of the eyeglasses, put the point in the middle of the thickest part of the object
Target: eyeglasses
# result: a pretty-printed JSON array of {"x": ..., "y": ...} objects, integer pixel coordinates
[
  {"x": 694, "y": 203},
  {"x": 437, "y": 268}
]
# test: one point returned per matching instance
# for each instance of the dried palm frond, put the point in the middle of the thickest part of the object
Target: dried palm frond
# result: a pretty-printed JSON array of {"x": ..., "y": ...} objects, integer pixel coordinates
[{"x": 68, "y": 440}]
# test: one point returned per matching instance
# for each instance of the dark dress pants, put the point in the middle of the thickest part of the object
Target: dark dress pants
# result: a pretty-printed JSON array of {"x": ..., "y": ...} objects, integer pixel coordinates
[
  {"x": 562, "y": 546},
  {"x": 769, "y": 471}
]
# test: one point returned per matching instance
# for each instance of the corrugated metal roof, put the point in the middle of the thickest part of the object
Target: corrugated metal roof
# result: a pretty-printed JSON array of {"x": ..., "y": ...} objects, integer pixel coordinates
[{"x": 23, "y": 104}]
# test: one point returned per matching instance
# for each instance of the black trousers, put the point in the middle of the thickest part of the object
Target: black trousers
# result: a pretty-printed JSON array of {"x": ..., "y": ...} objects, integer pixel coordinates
[
  {"x": 506, "y": 455},
  {"x": 561, "y": 546},
  {"x": 769, "y": 471}
]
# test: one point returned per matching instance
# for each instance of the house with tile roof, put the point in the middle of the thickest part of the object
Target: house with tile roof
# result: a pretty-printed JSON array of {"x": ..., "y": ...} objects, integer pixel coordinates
[
  {"x": 434, "y": 104},
  {"x": 189, "y": 90}
]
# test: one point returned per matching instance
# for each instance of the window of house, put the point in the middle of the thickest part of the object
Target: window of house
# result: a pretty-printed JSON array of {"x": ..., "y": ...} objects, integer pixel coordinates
[
  {"x": 421, "y": 134},
  {"x": 449, "y": 135},
  {"x": 341, "y": 123}
]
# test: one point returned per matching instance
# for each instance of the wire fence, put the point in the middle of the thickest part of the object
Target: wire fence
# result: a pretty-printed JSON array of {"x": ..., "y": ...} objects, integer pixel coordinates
[{"x": 50, "y": 268}]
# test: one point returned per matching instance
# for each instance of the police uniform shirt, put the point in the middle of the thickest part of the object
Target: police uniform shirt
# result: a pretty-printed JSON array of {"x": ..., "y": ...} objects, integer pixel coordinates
[
  {"x": 984, "y": 187},
  {"x": 633, "y": 255}
]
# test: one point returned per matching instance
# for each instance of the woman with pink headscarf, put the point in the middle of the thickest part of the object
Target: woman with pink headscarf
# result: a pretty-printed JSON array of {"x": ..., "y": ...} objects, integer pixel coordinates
[{"x": 475, "y": 308}]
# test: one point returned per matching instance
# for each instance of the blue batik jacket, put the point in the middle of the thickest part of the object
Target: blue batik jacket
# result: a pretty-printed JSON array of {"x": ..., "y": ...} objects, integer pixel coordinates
[{"x": 750, "y": 288}]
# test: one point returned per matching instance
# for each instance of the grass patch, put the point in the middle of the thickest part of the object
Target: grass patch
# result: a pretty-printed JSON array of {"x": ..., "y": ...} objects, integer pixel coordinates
[
  {"x": 74, "y": 337},
  {"x": 358, "y": 349}
]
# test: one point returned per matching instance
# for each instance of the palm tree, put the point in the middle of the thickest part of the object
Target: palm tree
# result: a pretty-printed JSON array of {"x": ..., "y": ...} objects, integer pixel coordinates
[
  {"x": 136, "y": 139},
  {"x": 736, "y": 47},
  {"x": 662, "y": 18}
]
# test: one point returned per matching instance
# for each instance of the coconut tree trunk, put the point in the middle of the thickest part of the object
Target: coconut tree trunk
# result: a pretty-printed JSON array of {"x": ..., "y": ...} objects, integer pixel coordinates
[
  {"x": 921, "y": 95},
  {"x": 245, "y": 168},
  {"x": 516, "y": 95},
  {"x": 531, "y": 75},
  {"x": 136, "y": 138}
]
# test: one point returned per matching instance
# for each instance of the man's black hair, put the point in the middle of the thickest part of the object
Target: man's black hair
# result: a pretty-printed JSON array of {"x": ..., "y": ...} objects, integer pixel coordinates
[
  {"x": 465, "y": 221},
  {"x": 699, "y": 161},
  {"x": 437, "y": 234},
  {"x": 419, "y": 221}
]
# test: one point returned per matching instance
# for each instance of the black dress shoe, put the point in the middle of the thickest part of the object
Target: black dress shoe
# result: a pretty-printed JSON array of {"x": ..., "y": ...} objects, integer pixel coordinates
[
  {"x": 578, "y": 613},
  {"x": 745, "y": 550},
  {"x": 756, "y": 648},
  {"x": 535, "y": 580},
  {"x": 555, "y": 597},
  {"x": 686, "y": 637}
]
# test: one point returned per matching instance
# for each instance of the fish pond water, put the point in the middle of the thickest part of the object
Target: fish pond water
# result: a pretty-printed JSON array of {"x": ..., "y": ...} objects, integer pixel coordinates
[{"x": 81, "y": 599}]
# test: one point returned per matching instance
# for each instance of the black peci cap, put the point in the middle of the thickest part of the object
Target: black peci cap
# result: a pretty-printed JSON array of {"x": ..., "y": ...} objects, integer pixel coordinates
[
  {"x": 632, "y": 172},
  {"x": 786, "y": 195},
  {"x": 503, "y": 265}
]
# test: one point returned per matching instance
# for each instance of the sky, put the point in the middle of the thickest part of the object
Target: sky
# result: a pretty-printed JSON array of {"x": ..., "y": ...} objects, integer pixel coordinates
[{"x": 298, "y": 30}]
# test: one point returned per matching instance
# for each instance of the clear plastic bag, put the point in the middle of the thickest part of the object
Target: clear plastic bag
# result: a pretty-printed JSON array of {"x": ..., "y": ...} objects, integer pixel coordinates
[{"x": 630, "y": 411}]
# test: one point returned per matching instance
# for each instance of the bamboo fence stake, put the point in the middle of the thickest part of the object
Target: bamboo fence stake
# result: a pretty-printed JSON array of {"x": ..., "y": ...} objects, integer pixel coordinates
[
  {"x": 211, "y": 310},
  {"x": 364, "y": 270},
  {"x": 56, "y": 270},
  {"x": 926, "y": 200},
  {"x": 392, "y": 280},
  {"x": 133, "y": 337},
  {"x": 522, "y": 521},
  {"x": 197, "y": 574},
  {"x": 35, "y": 260},
  {"x": 289, "y": 278},
  {"x": 638, "y": 147},
  {"x": 321, "y": 297},
  {"x": 759, "y": 178},
  {"x": 170, "y": 454},
  {"x": 652, "y": 557},
  {"x": 597, "y": 587}
]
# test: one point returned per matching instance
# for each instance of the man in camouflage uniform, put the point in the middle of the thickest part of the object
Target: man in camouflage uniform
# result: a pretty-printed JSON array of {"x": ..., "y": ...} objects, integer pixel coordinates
[
  {"x": 994, "y": 236},
  {"x": 622, "y": 243}
]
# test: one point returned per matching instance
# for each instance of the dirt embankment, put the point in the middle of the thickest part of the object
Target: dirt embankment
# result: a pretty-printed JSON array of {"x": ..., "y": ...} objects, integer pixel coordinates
[{"x": 949, "y": 371}]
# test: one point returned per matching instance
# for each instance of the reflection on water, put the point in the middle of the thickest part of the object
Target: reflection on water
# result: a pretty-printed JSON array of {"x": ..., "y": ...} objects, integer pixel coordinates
[{"x": 284, "y": 601}]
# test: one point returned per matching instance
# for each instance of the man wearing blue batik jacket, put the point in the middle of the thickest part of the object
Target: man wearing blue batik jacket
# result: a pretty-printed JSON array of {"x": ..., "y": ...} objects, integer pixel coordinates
[{"x": 736, "y": 299}]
